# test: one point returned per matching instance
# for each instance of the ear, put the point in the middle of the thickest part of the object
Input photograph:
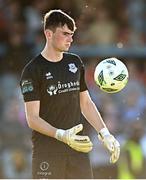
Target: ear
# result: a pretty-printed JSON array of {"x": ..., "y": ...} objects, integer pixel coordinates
[{"x": 48, "y": 33}]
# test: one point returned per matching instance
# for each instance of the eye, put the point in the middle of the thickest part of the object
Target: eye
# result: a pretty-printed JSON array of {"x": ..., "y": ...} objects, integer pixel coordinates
[{"x": 67, "y": 34}]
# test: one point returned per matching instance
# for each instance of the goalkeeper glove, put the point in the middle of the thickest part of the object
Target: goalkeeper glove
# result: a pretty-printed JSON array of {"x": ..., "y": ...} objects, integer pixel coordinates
[
  {"x": 110, "y": 143},
  {"x": 77, "y": 142}
]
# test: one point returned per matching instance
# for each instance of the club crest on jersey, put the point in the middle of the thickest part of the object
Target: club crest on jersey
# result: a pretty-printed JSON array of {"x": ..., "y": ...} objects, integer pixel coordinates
[{"x": 72, "y": 68}]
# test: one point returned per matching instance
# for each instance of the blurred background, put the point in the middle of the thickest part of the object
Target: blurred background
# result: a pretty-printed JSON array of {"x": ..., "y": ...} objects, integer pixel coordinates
[{"x": 114, "y": 28}]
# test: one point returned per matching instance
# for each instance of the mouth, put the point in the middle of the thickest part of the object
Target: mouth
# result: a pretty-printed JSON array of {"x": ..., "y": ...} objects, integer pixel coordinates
[{"x": 68, "y": 45}]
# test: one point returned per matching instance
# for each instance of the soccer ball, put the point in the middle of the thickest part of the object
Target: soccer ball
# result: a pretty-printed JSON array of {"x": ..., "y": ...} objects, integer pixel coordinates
[{"x": 111, "y": 75}]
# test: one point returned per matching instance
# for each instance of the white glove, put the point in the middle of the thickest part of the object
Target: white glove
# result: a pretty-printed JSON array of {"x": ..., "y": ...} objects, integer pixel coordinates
[
  {"x": 77, "y": 142},
  {"x": 110, "y": 143}
]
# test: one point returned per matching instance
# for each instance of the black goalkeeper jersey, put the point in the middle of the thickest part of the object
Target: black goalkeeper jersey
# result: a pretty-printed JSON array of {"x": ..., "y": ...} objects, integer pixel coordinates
[{"x": 57, "y": 86}]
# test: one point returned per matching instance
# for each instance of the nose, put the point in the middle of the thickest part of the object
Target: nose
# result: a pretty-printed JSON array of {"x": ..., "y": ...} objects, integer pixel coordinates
[{"x": 70, "y": 39}]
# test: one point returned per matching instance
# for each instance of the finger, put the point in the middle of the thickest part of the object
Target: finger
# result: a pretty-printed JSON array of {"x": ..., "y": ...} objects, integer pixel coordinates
[
  {"x": 81, "y": 141},
  {"x": 113, "y": 145},
  {"x": 117, "y": 152},
  {"x": 82, "y": 144},
  {"x": 116, "y": 149},
  {"x": 113, "y": 159},
  {"x": 109, "y": 143},
  {"x": 77, "y": 129},
  {"x": 81, "y": 138},
  {"x": 109, "y": 146},
  {"x": 115, "y": 155},
  {"x": 82, "y": 149}
]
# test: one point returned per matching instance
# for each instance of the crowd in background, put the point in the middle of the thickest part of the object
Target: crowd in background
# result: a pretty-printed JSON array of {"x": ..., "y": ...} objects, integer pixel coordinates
[{"x": 99, "y": 22}]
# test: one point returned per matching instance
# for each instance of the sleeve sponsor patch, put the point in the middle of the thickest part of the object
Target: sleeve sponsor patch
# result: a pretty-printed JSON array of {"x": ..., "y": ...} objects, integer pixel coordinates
[{"x": 27, "y": 86}]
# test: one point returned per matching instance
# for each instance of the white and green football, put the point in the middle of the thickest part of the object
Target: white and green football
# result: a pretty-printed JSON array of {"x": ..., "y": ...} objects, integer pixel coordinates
[{"x": 111, "y": 75}]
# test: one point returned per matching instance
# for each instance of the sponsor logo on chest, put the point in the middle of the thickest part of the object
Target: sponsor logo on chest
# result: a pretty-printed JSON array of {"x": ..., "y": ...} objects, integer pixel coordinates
[{"x": 60, "y": 88}]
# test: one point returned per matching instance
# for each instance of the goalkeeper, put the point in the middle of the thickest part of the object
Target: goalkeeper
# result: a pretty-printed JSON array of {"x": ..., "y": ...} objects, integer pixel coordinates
[{"x": 55, "y": 95}]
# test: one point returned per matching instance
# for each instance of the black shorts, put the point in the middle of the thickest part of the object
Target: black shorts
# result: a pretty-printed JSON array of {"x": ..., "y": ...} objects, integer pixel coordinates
[{"x": 61, "y": 166}]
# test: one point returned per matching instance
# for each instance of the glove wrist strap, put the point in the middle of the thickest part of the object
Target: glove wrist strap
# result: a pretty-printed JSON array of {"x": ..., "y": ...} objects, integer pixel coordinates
[
  {"x": 103, "y": 132},
  {"x": 59, "y": 134}
]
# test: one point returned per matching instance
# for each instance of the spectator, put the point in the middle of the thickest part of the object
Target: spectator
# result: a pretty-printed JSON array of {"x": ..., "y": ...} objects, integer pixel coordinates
[
  {"x": 132, "y": 162},
  {"x": 103, "y": 31}
]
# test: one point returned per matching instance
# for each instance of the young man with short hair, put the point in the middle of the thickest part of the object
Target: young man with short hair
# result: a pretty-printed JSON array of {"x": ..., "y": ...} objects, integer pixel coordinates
[{"x": 55, "y": 94}]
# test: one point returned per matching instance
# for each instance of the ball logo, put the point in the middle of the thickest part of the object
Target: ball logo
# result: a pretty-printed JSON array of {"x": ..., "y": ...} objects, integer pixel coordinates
[{"x": 44, "y": 166}]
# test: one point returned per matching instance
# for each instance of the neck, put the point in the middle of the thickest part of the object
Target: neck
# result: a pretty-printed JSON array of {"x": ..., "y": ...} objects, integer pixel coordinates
[{"x": 51, "y": 54}]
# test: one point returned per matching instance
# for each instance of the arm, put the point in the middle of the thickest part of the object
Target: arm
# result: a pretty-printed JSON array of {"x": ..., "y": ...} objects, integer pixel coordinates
[
  {"x": 79, "y": 143},
  {"x": 92, "y": 115},
  {"x": 90, "y": 111},
  {"x": 34, "y": 120}
]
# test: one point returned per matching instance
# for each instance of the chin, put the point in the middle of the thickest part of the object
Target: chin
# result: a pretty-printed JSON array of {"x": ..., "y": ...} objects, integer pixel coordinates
[{"x": 65, "y": 49}]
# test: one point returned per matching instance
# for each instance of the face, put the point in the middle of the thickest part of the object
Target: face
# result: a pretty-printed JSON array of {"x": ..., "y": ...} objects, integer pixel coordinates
[{"x": 61, "y": 39}]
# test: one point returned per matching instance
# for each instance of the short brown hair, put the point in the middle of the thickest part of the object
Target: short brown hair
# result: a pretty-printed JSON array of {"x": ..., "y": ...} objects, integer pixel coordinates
[{"x": 57, "y": 18}]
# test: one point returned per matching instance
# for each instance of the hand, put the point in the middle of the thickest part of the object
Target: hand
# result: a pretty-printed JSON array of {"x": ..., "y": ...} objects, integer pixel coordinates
[
  {"x": 111, "y": 144},
  {"x": 77, "y": 142}
]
